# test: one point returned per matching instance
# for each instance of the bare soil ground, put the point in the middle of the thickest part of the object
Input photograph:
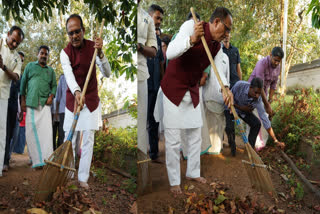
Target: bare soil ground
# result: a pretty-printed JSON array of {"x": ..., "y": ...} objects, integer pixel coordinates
[
  {"x": 17, "y": 189},
  {"x": 229, "y": 172}
]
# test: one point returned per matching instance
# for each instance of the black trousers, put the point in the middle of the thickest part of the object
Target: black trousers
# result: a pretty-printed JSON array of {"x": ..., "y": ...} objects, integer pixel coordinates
[
  {"x": 57, "y": 127},
  {"x": 250, "y": 119},
  {"x": 11, "y": 122},
  {"x": 152, "y": 125}
]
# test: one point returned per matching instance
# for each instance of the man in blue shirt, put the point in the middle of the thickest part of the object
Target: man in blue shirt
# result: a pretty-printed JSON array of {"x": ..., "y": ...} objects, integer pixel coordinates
[
  {"x": 156, "y": 70},
  {"x": 247, "y": 97}
]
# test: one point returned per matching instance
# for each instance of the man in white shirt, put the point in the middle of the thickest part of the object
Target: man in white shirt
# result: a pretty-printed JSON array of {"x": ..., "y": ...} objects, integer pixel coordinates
[
  {"x": 10, "y": 69},
  {"x": 75, "y": 60},
  {"x": 180, "y": 86},
  {"x": 213, "y": 102},
  {"x": 147, "y": 47}
]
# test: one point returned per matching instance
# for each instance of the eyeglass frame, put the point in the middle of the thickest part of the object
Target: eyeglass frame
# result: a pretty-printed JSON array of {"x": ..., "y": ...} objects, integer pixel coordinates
[
  {"x": 226, "y": 28},
  {"x": 77, "y": 32}
]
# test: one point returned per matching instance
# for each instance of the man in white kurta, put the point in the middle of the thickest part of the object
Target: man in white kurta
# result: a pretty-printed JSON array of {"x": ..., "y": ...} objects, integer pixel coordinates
[
  {"x": 214, "y": 104},
  {"x": 88, "y": 121},
  {"x": 10, "y": 69},
  {"x": 147, "y": 47},
  {"x": 183, "y": 112}
]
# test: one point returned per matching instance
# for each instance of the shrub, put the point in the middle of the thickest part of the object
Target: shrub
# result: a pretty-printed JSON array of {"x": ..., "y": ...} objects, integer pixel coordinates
[
  {"x": 117, "y": 146},
  {"x": 298, "y": 118}
]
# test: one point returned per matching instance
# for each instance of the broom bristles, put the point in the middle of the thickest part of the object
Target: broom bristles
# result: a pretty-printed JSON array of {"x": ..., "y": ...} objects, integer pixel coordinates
[
  {"x": 259, "y": 176},
  {"x": 51, "y": 176}
]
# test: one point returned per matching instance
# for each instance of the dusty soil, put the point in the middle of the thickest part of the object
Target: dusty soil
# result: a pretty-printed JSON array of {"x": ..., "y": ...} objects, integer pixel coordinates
[
  {"x": 18, "y": 185},
  {"x": 229, "y": 170}
]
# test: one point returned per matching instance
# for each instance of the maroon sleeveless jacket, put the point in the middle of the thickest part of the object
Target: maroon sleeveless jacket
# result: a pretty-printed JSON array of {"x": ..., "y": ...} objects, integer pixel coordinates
[
  {"x": 185, "y": 72},
  {"x": 80, "y": 59}
]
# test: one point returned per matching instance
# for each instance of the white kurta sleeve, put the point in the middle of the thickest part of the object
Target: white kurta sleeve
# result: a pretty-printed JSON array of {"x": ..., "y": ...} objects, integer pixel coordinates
[
  {"x": 181, "y": 42},
  {"x": 67, "y": 70},
  {"x": 104, "y": 66}
]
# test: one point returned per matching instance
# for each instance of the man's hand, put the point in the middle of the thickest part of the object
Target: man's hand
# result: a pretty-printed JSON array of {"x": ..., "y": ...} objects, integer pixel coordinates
[
  {"x": 20, "y": 116},
  {"x": 282, "y": 145},
  {"x": 98, "y": 44},
  {"x": 203, "y": 79},
  {"x": 248, "y": 108},
  {"x": 77, "y": 100},
  {"x": 49, "y": 100},
  {"x": 198, "y": 32},
  {"x": 56, "y": 116},
  {"x": 23, "y": 104},
  {"x": 228, "y": 98}
]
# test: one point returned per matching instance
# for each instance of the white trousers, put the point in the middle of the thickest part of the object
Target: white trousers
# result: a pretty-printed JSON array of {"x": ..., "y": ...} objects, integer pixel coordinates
[
  {"x": 142, "y": 116},
  {"x": 86, "y": 153},
  {"x": 173, "y": 145},
  {"x": 216, "y": 126},
  {"x": 3, "y": 130}
]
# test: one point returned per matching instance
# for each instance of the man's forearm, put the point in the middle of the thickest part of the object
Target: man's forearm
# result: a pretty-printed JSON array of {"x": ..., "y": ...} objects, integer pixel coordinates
[
  {"x": 148, "y": 51},
  {"x": 271, "y": 93},
  {"x": 10, "y": 74},
  {"x": 271, "y": 133},
  {"x": 239, "y": 71}
]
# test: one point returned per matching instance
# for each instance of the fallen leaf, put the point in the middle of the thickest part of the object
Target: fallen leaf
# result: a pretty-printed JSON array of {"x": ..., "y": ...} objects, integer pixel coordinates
[
  {"x": 317, "y": 207},
  {"x": 185, "y": 187},
  {"x": 171, "y": 210},
  {"x": 191, "y": 187},
  {"x": 281, "y": 211},
  {"x": 215, "y": 209},
  {"x": 25, "y": 183},
  {"x": 219, "y": 200},
  {"x": 36, "y": 211},
  {"x": 110, "y": 189}
]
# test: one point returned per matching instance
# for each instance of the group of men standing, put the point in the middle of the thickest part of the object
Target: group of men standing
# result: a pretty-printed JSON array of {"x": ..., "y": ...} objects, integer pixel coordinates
[
  {"x": 190, "y": 97},
  {"x": 38, "y": 88}
]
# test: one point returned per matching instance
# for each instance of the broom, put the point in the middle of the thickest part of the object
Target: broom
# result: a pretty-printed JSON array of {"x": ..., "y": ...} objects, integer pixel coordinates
[
  {"x": 257, "y": 171},
  {"x": 60, "y": 165}
]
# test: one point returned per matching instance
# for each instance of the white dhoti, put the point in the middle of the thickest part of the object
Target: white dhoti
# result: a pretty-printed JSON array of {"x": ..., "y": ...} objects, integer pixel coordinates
[
  {"x": 86, "y": 153},
  {"x": 3, "y": 130},
  {"x": 216, "y": 124},
  {"x": 177, "y": 118},
  {"x": 39, "y": 134},
  {"x": 88, "y": 122},
  {"x": 263, "y": 135},
  {"x": 142, "y": 115},
  {"x": 205, "y": 143}
]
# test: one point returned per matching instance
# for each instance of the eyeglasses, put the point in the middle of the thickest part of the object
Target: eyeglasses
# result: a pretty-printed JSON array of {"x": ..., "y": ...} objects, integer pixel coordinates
[
  {"x": 227, "y": 29},
  {"x": 75, "y": 32}
]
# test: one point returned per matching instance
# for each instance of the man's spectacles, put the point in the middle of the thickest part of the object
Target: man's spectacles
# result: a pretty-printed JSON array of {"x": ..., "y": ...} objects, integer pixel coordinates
[
  {"x": 227, "y": 29},
  {"x": 75, "y": 32}
]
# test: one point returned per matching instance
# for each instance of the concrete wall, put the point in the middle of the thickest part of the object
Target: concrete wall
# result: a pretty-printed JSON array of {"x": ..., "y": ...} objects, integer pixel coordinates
[
  {"x": 305, "y": 78},
  {"x": 119, "y": 119}
]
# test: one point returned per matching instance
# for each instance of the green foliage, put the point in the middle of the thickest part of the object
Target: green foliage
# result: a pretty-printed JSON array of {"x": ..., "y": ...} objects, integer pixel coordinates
[
  {"x": 299, "y": 191},
  {"x": 314, "y": 6},
  {"x": 298, "y": 119},
  {"x": 131, "y": 105},
  {"x": 130, "y": 185},
  {"x": 118, "y": 147}
]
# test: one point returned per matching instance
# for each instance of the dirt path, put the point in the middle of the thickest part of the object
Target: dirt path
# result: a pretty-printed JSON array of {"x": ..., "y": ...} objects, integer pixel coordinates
[
  {"x": 17, "y": 189},
  {"x": 215, "y": 168}
]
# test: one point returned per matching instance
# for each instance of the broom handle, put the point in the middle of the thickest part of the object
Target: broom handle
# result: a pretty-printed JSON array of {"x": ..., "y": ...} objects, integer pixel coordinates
[
  {"x": 214, "y": 66},
  {"x": 84, "y": 90}
]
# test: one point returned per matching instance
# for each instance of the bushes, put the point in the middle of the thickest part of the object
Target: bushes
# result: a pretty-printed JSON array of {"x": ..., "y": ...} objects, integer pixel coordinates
[
  {"x": 118, "y": 147},
  {"x": 297, "y": 119}
]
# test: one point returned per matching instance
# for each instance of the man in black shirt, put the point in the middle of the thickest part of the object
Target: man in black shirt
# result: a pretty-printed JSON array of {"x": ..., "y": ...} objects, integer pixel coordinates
[{"x": 235, "y": 75}]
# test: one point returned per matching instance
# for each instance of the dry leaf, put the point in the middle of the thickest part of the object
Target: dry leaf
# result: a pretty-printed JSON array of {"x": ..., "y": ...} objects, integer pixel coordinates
[
  {"x": 36, "y": 211},
  {"x": 171, "y": 210}
]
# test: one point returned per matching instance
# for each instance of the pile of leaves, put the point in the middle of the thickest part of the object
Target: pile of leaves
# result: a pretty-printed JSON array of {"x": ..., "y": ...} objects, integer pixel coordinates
[
  {"x": 69, "y": 200},
  {"x": 298, "y": 119},
  {"x": 219, "y": 201}
]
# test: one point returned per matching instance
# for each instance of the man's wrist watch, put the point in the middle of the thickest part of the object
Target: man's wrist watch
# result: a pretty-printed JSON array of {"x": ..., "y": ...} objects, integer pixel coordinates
[
  {"x": 141, "y": 48},
  {"x": 4, "y": 68}
]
